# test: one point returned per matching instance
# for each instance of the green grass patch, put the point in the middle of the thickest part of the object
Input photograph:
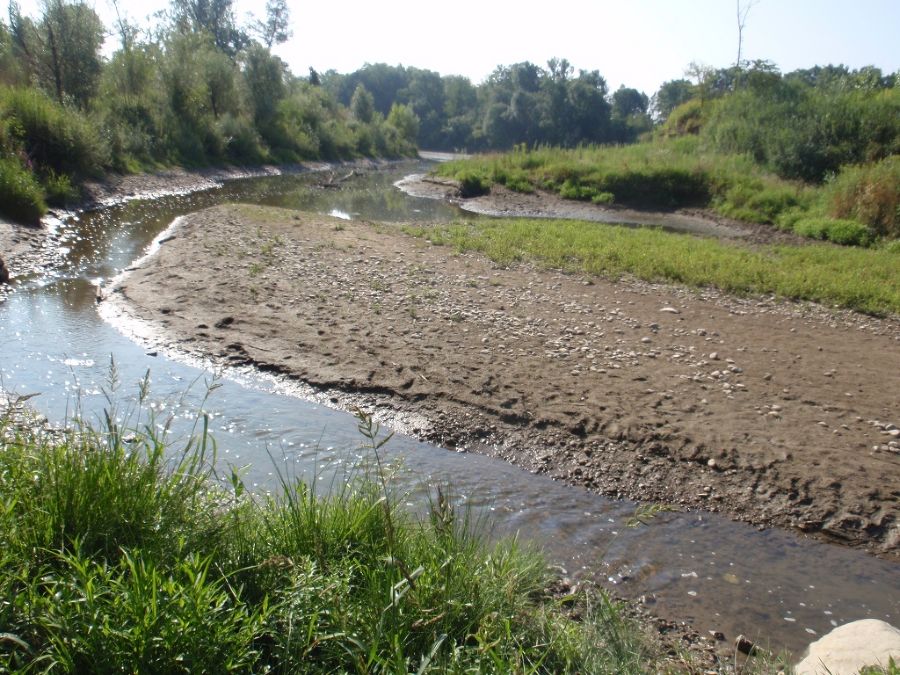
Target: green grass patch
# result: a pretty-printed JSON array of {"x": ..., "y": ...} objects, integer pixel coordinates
[
  {"x": 844, "y": 232},
  {"x": 866, "y": 280},
  {"x": 121, "y": 553}
]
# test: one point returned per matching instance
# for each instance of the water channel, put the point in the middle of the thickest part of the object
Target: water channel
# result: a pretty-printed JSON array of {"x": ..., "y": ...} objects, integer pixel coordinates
[{"x": 700, "y": 567}]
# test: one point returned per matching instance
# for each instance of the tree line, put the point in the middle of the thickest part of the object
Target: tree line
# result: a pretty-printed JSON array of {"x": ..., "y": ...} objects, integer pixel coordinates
[
  {"x": 520, "y": 103},
  {"x": 532, "y": 105}
]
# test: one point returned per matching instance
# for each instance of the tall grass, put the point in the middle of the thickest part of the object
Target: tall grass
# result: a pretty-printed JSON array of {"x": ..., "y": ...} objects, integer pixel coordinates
[
  {"x": 21, "y": 195},
  {"x": 121, "y": 553},
  {"x": 867, "y": 280},
  {"x": 869, "y": 194}
]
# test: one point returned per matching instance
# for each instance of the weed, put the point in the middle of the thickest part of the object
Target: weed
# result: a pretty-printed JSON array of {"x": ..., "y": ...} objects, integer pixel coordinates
[{"x": 119, "y": 553}]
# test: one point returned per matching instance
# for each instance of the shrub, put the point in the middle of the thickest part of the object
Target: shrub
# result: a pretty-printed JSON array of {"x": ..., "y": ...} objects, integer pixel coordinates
[
  {"x": 242, "y": 142},
  {"x": 55, "y": 137},
  {"x": 662, "y": 186},
  {"x": 844, "y": 232},
  {"x": 21, "y": 198},
  {"x": 756, "y": 202},
  {"x": 686, "y": 119},
  {"x": 869, "y": 194},
  {"x": 59, "y": 189},
  {"x": 472, "y": 184}
]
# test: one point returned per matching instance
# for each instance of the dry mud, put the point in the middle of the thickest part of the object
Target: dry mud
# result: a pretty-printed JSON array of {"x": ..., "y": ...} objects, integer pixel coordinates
[{"x": 781, "y": 414}]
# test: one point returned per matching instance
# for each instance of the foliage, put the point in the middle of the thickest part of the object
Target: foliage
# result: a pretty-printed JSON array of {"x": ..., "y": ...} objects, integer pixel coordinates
[
  {"x": 167, "y": 571},
  {"x": 845, "y": 232},
  {"x": 682, "y": 172},
  {"x": 802, "y": 132},
  {"x": 21, "y": 197},
  {"x": 670, "y": 95},
  {"x": 362, "y": 105},
  {"x": 62, "y": 49},
  {"x": 51, "y": 135},
  {"x": 869, "y": 194}
]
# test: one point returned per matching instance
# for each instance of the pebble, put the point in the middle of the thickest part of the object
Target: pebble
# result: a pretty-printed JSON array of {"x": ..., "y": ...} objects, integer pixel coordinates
[{"x": 670, "y": 310}]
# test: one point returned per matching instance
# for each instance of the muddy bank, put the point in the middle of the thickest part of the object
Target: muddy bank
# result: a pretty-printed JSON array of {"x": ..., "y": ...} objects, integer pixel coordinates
[{"x": 775, "y": 413}]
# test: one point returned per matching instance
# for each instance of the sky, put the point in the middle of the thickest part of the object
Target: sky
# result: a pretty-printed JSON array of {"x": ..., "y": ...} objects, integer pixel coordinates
[{"x": 636, "y": 43}]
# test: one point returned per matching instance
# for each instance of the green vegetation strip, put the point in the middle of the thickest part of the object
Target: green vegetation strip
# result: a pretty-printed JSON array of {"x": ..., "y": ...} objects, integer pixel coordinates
[
  {"x": 858, "y": 207},
  {"x": 119, "y": 553},
  {"x": 866, "y": 280}
]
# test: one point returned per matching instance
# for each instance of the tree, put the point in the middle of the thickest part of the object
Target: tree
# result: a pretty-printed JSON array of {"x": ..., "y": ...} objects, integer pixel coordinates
[
  {"x": 362, "y": 105},
  {"x": 10, "y": 70},
  {"x": 264, "y": 75},
  {"x": 275, "y": 28},
  {"x": 742, "y": 13},
  {"x": 404, "y": 120},
  {"x": 627, "y": 101},
  {"x": 670, "y": 95},
  {"x": 215, "y": 17},
  {"x": 64, "y": 49}
]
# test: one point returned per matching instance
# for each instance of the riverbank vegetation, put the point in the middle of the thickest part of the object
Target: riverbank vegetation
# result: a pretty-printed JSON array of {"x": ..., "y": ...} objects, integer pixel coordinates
[
  {"x": 120, "y": 552},
  {"x": 197, "y": 89},
  {"x": 816, "y": 152},
  {"x": 866, "y": 280}
]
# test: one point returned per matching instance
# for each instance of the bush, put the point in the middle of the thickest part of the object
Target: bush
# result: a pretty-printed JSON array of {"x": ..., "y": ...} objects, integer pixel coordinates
[
  {"x": 55, "y": 137},
  {"x": 756, "y": 202},
  {"x": 844, "y": 232},
  {"x": 472, "y": 184},
  {"x": 242, "y": 142},
  {"x": 662, "y": 186},
  {"x": 685, "y": 120},
  {"x": 869, "y": 194},
  {"x": 21, "y": 198},
  {"x": 59, "y": 189}
]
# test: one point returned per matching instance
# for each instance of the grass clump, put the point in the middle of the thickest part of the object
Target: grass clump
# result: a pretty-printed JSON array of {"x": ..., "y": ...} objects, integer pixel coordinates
[
  {"x": 21, "y": 196},
  {"x": 869, "y": 194},
  {"x": 866, "y": 280},
  {"x": 844, "y": 232},
  {"x": 122, "y": 553},
  {"x": 473, "y": 184}
]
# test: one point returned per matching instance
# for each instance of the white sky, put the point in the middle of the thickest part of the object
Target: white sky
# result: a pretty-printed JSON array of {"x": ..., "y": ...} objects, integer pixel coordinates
[{"x": 639, "y": 43}]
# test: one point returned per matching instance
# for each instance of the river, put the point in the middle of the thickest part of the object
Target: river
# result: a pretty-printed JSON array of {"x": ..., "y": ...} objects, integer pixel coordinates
[{"x": 717, "y": 574}]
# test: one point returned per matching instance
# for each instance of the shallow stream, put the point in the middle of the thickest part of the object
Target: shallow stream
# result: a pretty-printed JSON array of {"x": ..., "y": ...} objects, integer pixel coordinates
[{"x": 703, "y": 568}]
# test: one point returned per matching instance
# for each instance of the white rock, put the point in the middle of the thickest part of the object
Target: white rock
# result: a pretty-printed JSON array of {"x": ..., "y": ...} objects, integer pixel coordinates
[
  {"x": 849, "y": 648},
  {"x": 670, "y": 310}
]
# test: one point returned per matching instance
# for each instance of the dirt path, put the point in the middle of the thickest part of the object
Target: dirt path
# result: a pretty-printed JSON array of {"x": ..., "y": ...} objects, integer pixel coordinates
[{"x": 777, "y": 413}]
